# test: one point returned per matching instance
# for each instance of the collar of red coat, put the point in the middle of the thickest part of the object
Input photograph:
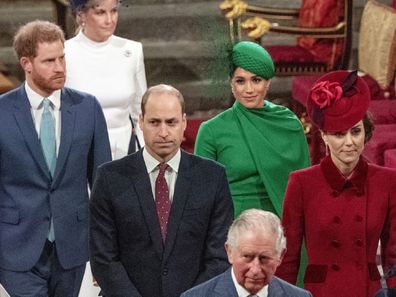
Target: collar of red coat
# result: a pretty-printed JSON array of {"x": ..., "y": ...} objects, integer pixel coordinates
[{"x": 338, "y": 182}]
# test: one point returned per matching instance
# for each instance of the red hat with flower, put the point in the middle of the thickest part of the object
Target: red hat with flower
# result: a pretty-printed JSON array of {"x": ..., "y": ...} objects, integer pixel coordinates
[{"x": 338, "y": 100}]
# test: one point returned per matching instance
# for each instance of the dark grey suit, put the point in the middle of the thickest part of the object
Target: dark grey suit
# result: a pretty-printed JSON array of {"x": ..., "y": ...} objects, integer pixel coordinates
[
  {"x": 127, "y": 254},
  {"x": 223, "y": 286}
]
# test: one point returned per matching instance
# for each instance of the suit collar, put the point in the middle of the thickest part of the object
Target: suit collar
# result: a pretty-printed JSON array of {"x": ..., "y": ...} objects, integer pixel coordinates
[
  {"x": 338, "y": 183},
  {"x": 152, "y": 163},
  {"x": 241, "y": 291},
  {"x": 24, "y": 119},
  {"x": 180, "y": 197},
  {"x": 137, "y": 172},
  {"x": 36, "y": 99},
  {"x": 225, "y": 286},
  {"x": 141, "y": 182},
  {"x": 23, "y": 116},
  {"x": 276, "y": 290},
  {"x": 68, "y": 114}
]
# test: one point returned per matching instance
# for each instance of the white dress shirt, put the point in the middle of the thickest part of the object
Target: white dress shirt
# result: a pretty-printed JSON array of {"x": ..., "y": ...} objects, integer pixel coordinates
[
  {"x": 170, "y": 173},
  {"x": 242, "y": 292},
  {"x": 36, "y": 107}
]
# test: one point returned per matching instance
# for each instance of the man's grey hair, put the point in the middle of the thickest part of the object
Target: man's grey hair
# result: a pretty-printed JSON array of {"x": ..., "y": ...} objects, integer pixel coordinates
[{"x": 257, "y": 220}]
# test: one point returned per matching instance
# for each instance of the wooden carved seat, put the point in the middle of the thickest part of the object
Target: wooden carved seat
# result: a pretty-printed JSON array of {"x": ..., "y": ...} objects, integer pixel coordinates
[
  {"x": 322, "y": 28},
  {"x": 7, "y": 82}
]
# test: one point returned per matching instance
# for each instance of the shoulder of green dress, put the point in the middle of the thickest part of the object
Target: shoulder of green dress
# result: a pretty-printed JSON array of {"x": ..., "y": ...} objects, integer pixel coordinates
[
  {"x": 277, "y": 108},
  {"x": 223, "y": 116},
  {"x": 271, "y": 105}
]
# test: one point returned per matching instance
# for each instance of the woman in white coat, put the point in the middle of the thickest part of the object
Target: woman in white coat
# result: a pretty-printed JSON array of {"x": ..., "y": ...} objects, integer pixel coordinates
[{"x": 109, "y": 67}]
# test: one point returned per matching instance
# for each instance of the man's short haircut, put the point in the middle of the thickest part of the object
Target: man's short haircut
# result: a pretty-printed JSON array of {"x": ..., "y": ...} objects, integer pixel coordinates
[
  {"x": 162, "y": 89},
  {"x": 259, "y": 221},
  {"x": 28, "y": 37}
]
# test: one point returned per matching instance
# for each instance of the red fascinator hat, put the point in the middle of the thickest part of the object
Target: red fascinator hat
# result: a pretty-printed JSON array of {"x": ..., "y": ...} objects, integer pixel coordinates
[{"x": 338, "y": 100}]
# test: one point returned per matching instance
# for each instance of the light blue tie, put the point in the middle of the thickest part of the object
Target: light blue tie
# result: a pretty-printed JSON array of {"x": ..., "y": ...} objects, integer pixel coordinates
[{"x": 48, "y": 145}]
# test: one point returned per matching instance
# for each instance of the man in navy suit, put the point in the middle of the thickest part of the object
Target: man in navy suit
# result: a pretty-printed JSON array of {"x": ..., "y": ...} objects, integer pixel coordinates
[
  {"x": 159, "y": 217},
  {"x": 52, "y": 139},
  {"x": 255, "y": 247}
]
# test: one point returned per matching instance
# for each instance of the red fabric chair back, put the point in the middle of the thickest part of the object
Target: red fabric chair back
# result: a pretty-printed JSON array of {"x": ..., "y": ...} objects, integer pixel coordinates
[{"x": 322, "y": 13}]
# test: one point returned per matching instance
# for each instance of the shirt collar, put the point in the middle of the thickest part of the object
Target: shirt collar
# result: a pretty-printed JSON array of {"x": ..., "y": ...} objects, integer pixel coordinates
[
  {"x": 152, "y": 163},
  {"x": 35, "y": 99},
  {"x": 338, "y": 182},
  {"x": 242, "y": 292}
]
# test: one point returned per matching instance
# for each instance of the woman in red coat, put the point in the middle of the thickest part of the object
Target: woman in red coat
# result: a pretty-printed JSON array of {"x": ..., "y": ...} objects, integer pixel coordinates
[{"x": 342, "y": 207}]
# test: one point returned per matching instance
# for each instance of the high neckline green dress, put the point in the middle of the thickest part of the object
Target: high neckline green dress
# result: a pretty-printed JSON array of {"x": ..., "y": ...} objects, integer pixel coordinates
[{"x": 259, "y": 147}]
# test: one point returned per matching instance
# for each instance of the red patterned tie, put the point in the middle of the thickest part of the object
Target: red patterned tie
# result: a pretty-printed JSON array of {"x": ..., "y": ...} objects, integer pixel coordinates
[{"x": 162, "y": 199}]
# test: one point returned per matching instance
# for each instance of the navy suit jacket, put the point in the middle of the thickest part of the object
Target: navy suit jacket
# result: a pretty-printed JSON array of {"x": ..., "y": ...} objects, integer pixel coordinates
[
  {"x": 389, "y": 292},
  {"x": 28, "y": 194},
  {"x": 128, "y": 257},
  {"x": 223, "y": 286}
]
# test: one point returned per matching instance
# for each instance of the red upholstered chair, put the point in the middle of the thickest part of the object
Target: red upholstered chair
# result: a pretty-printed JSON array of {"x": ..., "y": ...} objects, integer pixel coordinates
[
  {"x": 390, "y": 157},
  {"x": 5, "y": 84},
  {"x": 383, "y": 139},
  {"x": 377, "y": 59},
  {"x": 191, "y": 133},
  {"x": 322, "y": 29},
  {"x": 7, "y": 81}
]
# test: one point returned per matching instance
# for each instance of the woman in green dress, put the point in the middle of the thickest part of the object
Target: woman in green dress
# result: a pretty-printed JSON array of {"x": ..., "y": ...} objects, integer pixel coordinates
[{"x": 257, "y": 141}]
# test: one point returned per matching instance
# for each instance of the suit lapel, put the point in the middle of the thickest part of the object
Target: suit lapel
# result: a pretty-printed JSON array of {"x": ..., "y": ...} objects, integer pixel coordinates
[
  {"x": 67, "y": 128},
  {"x": 141, "y": 181},
  {"x": 179, "y": 200},
  {"x": 23, "y": 116},
  {"x": 275, "y": 289},
  {"x": 225, "y": 286}
]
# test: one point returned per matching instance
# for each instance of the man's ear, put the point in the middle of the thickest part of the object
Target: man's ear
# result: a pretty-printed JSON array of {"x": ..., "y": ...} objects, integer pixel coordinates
[
  {"x": 26, "y": 64},
  {"x": 228, "y": 249},
  {"x": 184, "y": 121},
  {"x": 282, "y": 255},
  {"x": 140, "y": 120}
]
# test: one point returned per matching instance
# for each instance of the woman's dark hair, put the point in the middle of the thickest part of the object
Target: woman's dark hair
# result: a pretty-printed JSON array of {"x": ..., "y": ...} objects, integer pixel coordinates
[
  {"x": 368, "y": 126},
  {"x": 231, "y": 65}
]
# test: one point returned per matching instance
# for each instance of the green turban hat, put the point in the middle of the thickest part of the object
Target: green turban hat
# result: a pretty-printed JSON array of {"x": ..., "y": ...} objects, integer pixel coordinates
[{"x": 254, "y": 58}]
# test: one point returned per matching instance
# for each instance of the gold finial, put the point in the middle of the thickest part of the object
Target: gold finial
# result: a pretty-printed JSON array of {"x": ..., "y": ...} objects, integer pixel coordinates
[
  {"x": 233, "y": 8},
  {"x": 257, "y": 27}
]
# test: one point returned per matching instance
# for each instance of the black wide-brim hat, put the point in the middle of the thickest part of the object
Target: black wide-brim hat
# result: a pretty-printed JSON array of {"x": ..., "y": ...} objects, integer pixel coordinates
[{"x": 338, "y": 100}]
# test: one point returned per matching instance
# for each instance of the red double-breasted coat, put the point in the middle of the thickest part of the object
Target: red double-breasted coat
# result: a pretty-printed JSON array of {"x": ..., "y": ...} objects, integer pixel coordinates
[{"x": 341, "y": 222}]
